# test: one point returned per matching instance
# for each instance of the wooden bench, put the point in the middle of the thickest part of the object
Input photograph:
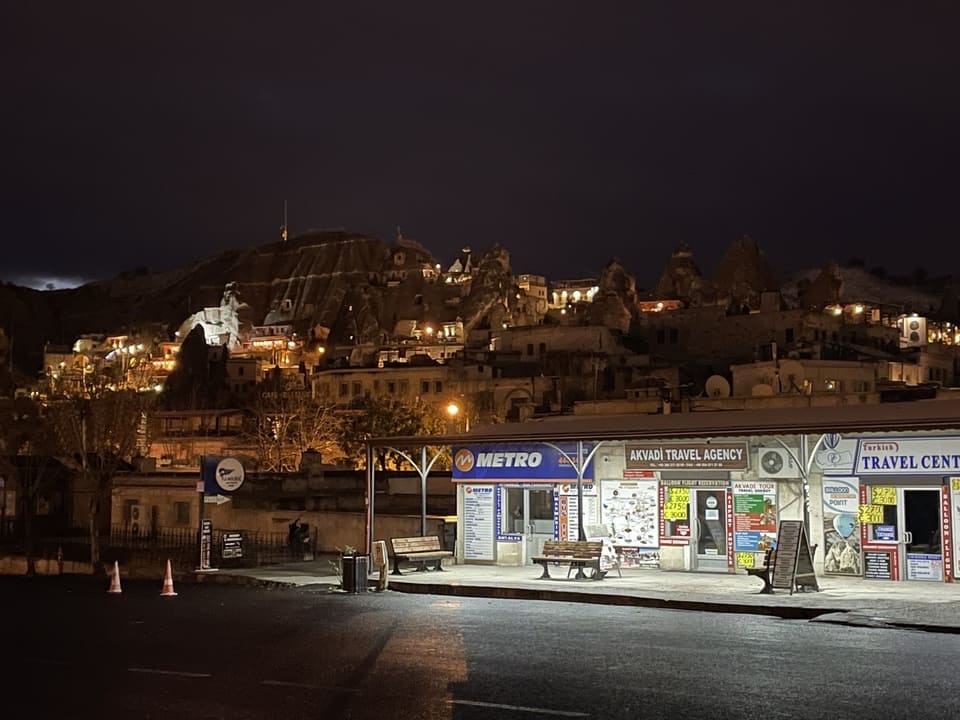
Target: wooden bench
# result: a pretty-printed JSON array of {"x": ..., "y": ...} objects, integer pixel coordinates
[
  {"x": 419, "y": 550},
  {"x": 764, "y": 571},
  {"x": 578, "y": 554}
]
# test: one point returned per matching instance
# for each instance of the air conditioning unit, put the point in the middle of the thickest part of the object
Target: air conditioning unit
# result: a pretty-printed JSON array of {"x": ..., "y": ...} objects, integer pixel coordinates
[
  {"x": 140, "y": 520},
  {"x": 776, "y": 463}
]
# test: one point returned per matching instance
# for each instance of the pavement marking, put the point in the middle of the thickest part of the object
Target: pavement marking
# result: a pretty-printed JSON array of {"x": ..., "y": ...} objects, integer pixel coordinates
[
  {"x": 308, "y": 686},
  {"x": 152, "y": 671},
  {"x": 519, "y": 708}
]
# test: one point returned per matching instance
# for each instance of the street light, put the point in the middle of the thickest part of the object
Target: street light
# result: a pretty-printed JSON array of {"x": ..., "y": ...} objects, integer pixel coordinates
[{"x": 453, "y": 410}]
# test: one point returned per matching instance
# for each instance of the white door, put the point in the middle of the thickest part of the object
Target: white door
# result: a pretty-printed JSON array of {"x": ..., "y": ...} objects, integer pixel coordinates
[
  {"x": 528, "y": 511},
  {"x": 709, "y": 531}
]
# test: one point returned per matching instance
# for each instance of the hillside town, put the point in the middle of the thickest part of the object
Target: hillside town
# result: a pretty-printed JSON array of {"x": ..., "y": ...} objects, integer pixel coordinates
[{"x": 292, "y": 374}]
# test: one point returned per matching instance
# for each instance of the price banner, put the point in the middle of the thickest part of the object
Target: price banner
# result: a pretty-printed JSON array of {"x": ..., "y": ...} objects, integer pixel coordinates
[
  {"x": 674, "y": 510},
  {"x": 870, "y": 513},
  {"x": 745, "y": 559},
  {"x": 678, "y": 494},
  {"x": 883, "y": 495}
]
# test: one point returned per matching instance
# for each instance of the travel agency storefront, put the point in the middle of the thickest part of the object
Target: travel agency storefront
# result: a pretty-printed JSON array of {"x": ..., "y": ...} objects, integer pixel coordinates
[
  {"x": 698, "y": 505},
  {"x": 891, "y": 504}
]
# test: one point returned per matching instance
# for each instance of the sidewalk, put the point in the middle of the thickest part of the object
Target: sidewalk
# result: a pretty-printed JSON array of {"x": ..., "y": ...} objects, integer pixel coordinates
[{"x": 853, "y": 601}]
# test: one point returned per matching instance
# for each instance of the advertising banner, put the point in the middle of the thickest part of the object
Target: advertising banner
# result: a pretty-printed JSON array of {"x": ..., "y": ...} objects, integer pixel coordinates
[
  {"x": 630, "y": 512},
  {"x": 478, "y": 522},
  {"x": 568, "y": 527},
  {"x": 841, "y": 529},
  {"x": 754, "y": 515}
]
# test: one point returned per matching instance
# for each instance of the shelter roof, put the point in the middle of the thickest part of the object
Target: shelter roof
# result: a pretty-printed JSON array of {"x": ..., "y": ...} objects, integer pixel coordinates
[{"x": 919, "y": 415}]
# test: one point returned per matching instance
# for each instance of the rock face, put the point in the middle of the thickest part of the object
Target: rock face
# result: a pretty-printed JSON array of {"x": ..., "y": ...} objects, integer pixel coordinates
[
  {"x": 344, "y": 286},
  {"x": 743, "y": 274},
  {"x": 681, "y": 279},
  {"x": 615, "y": 304}
]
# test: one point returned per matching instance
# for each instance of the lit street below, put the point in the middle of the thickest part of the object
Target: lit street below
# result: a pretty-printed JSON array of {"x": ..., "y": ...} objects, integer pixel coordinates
[{"x": 215, "y": 651}]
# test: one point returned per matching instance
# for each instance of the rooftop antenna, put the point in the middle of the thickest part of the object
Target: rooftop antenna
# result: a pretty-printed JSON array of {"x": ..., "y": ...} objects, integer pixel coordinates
[{"x": 283, "y": 227}]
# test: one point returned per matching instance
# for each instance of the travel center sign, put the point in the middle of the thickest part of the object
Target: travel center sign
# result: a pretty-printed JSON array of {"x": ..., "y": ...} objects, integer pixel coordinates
[
  {"x": 679, "y": 456},
  {"x": 930, "y": 455}
]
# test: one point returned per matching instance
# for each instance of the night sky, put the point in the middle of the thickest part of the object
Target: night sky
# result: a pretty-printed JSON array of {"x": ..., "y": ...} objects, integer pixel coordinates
[{"x": 156, "y": 134}]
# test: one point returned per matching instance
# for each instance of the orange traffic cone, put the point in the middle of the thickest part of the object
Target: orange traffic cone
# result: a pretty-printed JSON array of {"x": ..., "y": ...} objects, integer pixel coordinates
[
  {"x": 115, "y": 579},
  {"x": 167, "y": 583}
]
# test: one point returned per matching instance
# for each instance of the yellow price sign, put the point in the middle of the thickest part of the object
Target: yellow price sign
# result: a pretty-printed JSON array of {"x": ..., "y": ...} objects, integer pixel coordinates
[
  {"x": 678, "y": 494},
  {"x": 955, "y": 483},
  {"x": 870, "y": 513},
  {"x": 745, "y": 559},
  {"x": 674, "y": 511},
  {"x": 883, "y": 495}
]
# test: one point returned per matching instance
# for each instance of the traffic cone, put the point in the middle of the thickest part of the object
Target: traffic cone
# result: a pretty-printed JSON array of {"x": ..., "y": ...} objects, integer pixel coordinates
[
  {"x": 167, "y": 583},
  {"x": 115, "y": 579}
]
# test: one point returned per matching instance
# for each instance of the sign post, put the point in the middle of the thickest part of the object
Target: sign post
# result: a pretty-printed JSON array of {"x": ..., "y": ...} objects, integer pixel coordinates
[{"x": 218, "y": 474}]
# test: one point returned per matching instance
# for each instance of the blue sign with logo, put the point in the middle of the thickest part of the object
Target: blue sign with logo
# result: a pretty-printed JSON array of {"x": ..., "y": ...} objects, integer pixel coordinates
[
  {"x": 220, "y": 474},
  {"x": 884, "y": 532},
  {"x": 519, "y": 462}
]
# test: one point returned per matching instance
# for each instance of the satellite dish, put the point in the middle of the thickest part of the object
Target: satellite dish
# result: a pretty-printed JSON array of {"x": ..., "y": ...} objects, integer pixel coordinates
[
  {"x": 717, "y": 386},
  {"x": 791, "y": 374},
  {"x": 761, "y": 390}
]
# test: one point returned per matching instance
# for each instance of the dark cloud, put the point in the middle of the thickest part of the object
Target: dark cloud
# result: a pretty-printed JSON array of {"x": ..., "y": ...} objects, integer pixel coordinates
[{"x": 155, "y": 135}]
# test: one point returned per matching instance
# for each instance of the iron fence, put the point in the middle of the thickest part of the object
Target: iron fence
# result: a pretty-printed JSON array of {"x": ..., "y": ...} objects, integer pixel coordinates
[{"x": 229, "y": 548}]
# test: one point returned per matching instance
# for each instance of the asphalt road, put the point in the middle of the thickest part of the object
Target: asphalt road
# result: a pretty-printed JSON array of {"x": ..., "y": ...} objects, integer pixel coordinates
[{"x": 73, "y": 651}]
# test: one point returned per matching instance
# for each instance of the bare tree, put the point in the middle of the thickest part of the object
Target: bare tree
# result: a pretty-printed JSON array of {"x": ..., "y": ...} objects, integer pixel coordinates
[
  {"x": 100, "y": 433},
  {"x": 26, "y": 447},
  {"x": 286, "y": 420}
]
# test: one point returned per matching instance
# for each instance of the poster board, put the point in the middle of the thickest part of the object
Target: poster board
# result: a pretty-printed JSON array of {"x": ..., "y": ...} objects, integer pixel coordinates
[{"x": 793, "y": 566}]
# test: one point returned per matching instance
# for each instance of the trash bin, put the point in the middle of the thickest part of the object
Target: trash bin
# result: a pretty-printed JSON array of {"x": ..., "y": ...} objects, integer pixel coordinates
[{"x": 354, "y": 573}]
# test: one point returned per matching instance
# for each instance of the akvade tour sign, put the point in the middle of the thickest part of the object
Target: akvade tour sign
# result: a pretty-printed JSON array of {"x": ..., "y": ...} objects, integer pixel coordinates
[
  {"x": 693, "y": 455},
  {"x": 889, "y": 456}
]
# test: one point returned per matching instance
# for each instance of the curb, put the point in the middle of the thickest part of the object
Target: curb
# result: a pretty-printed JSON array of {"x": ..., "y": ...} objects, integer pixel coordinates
[{"x": 785, "y": 612}]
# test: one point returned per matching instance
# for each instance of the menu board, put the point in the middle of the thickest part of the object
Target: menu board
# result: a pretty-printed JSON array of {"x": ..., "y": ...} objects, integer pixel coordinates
[
  {"x": 877, "y": 565},
  {"x": 478, "y": 522},
  {"x": 794, "y": 563}
]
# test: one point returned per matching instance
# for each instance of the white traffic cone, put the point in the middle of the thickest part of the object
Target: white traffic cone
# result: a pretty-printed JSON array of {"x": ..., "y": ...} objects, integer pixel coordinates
[
  {"x": 167, "y": 590},
  {"x": 115, "y": 579}
]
